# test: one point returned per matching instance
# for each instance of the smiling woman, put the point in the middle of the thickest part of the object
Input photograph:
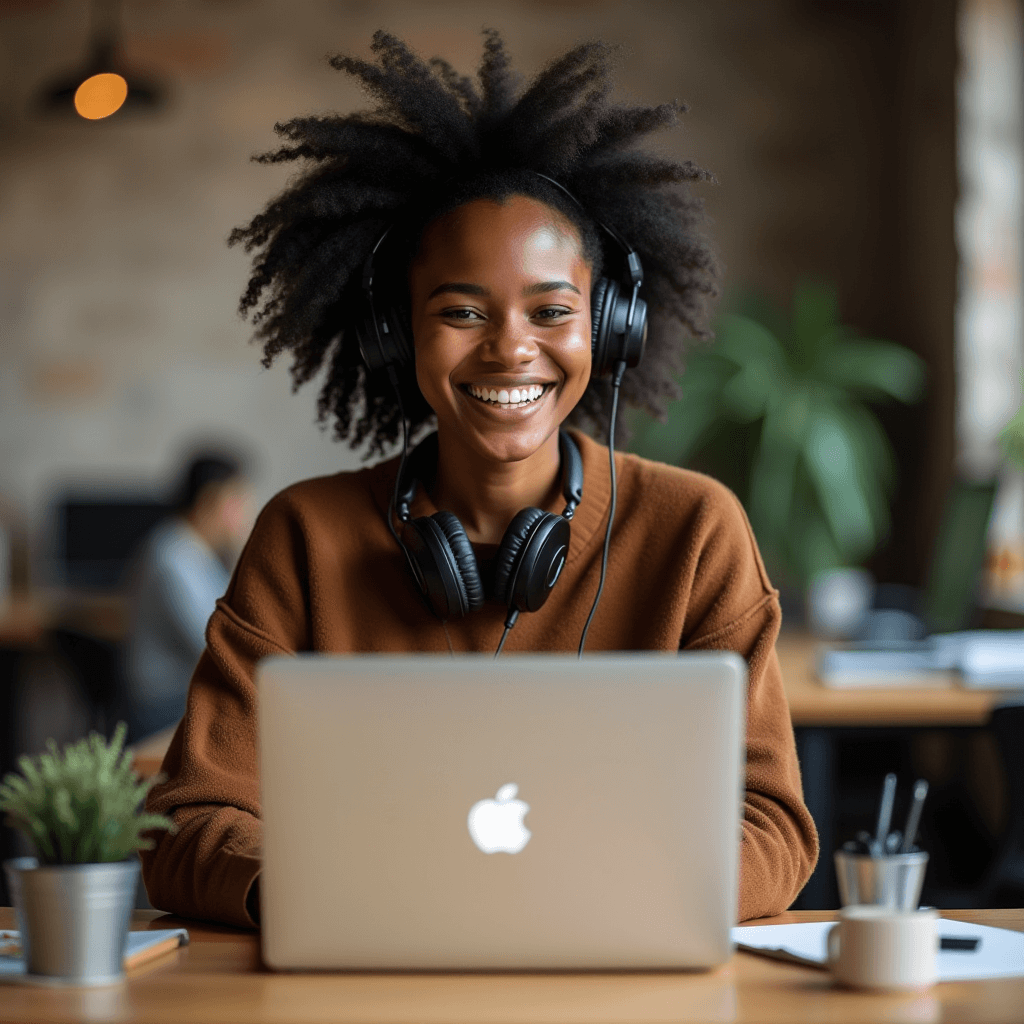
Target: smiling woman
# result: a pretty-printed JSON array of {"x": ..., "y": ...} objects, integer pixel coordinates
[{"x": 472, "y": 260}]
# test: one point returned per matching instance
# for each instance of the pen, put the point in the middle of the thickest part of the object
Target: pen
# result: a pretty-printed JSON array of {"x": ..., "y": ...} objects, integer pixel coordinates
[
  {"x": 885, "y": 812},
  {"x": 914, "y": 815}
]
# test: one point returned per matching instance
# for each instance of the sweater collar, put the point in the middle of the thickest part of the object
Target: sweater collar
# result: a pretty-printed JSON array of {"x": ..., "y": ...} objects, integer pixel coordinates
[{"x": 590, "y": 518}]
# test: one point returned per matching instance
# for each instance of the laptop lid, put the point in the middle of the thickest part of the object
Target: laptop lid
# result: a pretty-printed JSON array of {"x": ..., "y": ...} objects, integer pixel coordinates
[{"x": 530, "y": 812}]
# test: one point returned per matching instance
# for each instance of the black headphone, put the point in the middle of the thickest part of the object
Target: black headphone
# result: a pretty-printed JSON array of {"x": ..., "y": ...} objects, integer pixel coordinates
[
  {"x": 530, "y": 557},
  {"x": 618, "y": 316}
]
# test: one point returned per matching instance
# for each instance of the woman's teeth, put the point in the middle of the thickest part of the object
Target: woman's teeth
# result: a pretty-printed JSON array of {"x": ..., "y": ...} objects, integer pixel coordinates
[{"x": 515, "y": 396}]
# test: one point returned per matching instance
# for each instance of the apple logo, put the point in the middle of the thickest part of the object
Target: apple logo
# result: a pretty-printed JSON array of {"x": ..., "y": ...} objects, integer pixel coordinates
[{"x": 496, "y": 826}]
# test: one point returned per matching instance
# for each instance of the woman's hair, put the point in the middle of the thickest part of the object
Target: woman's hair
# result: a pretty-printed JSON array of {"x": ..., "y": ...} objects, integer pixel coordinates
[{"x": 434, "y": 142}]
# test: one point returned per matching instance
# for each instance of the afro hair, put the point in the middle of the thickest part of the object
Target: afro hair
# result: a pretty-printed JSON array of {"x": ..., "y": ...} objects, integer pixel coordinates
[{"x": 437, "y": 140}]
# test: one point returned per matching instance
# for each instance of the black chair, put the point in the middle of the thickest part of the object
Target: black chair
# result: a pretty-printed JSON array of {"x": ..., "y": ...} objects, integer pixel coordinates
[{"x": 1004, "y": 884}]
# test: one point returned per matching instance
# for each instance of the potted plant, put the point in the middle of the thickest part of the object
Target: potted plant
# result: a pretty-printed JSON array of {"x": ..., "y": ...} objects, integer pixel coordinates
[
  {"x": 73, "y": 900},
  {"x": 779, "y": 409}
]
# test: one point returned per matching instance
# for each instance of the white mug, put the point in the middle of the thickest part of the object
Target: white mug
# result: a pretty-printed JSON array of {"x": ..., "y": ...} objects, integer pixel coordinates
[{"x": 877, "y": 947}]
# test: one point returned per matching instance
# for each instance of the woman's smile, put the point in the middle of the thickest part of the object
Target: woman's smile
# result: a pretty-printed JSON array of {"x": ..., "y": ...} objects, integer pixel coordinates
[{"x": 507, "y": 397}]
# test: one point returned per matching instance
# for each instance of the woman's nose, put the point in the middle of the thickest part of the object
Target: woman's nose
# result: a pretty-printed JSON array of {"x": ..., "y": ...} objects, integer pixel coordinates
[{"x": 510, "y": 341}]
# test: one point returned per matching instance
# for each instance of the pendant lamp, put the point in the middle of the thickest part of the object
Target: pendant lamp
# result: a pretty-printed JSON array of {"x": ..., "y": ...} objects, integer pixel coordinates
[{"x": 102, "y": 86}]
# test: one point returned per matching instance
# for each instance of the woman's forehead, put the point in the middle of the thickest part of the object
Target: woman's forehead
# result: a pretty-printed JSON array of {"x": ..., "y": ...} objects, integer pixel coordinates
[{"x": 485, "y": 232}]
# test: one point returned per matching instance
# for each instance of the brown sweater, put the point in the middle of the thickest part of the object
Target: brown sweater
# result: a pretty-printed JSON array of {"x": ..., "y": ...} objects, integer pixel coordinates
[{"x": 322, "y": 573}]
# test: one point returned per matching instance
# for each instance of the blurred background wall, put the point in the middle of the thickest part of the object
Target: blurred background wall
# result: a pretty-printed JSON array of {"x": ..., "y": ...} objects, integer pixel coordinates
[{"x": 830, "y": 128}]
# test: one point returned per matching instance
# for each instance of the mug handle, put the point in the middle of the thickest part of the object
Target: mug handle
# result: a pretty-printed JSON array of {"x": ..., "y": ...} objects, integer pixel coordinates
[{"x": 833, "y": 941}]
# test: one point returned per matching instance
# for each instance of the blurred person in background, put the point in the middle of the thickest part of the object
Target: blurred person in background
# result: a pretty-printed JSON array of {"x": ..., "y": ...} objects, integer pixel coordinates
[{"x": 182, "y": 569}]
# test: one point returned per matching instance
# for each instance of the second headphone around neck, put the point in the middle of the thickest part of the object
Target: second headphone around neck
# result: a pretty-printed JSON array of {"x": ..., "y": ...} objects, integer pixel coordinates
[{"x": 530, "y": 557}]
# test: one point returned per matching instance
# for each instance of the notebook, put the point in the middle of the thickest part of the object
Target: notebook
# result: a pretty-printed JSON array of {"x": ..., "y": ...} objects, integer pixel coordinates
[{"x": 140, "y": 948}]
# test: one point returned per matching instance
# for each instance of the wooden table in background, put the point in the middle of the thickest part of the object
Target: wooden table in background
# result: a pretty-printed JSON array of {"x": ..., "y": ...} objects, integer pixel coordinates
[
  {"x": 815, "y": 706},
  {"x": 218, "y": 977},
  {"x": 148, "y": 754}
]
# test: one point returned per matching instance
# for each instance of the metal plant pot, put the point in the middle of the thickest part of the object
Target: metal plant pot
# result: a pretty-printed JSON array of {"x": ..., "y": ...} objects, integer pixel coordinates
[{"x": 73, "y": 919}]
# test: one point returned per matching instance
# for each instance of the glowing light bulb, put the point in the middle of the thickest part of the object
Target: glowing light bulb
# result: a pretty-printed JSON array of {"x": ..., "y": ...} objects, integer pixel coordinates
[{"x": 100, "y": 96}]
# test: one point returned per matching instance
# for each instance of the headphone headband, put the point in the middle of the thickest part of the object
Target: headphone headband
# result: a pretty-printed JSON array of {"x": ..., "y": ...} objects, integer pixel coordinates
[{"x": 633, "y": 266}]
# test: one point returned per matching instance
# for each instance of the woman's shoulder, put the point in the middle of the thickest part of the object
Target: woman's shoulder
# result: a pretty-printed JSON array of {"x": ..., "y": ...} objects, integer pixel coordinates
[
  {"x": 670, "y": 514},
  {"x": 684, "y": 501},
  {"x": 334, "y": 496},
  {"x": 676, "y": 484},
  {"x": 667, "y": 492}
]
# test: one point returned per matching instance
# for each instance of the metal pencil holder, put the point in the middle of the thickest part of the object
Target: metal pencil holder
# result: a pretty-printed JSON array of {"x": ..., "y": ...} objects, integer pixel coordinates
[{"x": 893, "y": 881}]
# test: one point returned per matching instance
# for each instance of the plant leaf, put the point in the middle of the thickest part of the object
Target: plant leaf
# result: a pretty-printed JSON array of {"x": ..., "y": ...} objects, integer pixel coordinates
[
  {"x": 832, "y": 465},
  {"x": 815, "y": 317},
  {"x": 875, "y": 370},
  {"x": 82, "y": 805}
]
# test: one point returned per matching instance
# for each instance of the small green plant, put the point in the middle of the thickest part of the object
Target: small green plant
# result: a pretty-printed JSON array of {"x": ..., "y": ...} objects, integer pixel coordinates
[
  {"x": 82, "y": 806},
  {"x": 778, "y": 409}
]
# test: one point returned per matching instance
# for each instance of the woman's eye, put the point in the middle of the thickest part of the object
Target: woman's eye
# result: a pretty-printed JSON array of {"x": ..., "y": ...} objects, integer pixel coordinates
[
  {"x": 551, "y": 313},
  {"x": 460, "y": 314}
]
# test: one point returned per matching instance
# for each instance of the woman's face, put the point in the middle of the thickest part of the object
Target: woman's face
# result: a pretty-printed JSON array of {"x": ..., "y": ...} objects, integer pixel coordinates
[{"x": 500, "y": 296}]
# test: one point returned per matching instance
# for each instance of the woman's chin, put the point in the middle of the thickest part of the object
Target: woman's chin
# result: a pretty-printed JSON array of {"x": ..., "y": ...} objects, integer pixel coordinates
[{"x": 510, "y": 442}]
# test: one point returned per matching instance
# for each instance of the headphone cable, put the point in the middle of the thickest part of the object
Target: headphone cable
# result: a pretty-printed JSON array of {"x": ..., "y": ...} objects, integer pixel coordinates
[
  {"x": 509, "y": 623},
  {"x": 393, "y": 505},
  {"x": 617, "y": 375}
]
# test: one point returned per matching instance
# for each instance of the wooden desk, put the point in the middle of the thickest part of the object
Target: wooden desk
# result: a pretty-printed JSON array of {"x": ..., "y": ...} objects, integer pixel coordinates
[
  {"x": 218, "y": 978},
  {"x": 813, "y": 705}
]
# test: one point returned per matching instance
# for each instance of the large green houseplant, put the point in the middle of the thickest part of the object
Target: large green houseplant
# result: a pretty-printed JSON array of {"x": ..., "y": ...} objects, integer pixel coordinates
[
  {"x": 82, "y": 811},
  {"x": 779, "y": 408}
]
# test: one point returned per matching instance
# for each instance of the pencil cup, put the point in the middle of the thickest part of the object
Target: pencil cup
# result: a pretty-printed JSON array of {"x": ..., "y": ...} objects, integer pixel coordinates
[{"x": 894, "y": 881}]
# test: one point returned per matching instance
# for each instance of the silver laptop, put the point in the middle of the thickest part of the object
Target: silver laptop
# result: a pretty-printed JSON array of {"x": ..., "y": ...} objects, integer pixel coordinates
[{"x": 530, "y": 812}]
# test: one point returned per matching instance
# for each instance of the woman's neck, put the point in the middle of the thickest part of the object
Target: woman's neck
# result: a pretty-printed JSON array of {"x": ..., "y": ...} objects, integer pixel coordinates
[{"x": 486, "y": 495}]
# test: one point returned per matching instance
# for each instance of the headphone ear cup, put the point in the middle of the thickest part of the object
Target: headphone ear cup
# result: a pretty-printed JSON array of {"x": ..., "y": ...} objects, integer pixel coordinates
[
  {"x": 397, "y": 337},
  {"x": 386, "y": 346},
  {"x": 602, "y": 298},
  {"x": 610, "y": 340},
  {"x": 465, "y": 559},
  {"x": 635, "y": 342},
  {"x": 530, "y": 559},
  {"x": 442, "y": 568},
  {"x": 506, "y": 561}
]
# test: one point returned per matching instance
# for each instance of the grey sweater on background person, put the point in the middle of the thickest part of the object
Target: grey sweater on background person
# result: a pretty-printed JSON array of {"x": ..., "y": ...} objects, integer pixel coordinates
[{"x": 175, "y": 584}]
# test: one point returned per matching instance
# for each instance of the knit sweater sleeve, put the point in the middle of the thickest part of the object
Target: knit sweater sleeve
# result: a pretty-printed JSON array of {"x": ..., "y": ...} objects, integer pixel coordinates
[
  {"x": 206, "y": 868},
  {"x": 733, "y": 607}
]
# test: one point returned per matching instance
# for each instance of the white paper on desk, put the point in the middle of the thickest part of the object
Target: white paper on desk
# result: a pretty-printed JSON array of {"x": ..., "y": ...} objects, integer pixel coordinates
[{"x": 1000, "y": 954}]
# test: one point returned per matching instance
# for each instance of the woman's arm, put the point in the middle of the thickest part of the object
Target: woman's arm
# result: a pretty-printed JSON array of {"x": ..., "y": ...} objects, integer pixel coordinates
[
  {"x": 208, "y": 867},
  {"x": 733, "y": 607}
]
